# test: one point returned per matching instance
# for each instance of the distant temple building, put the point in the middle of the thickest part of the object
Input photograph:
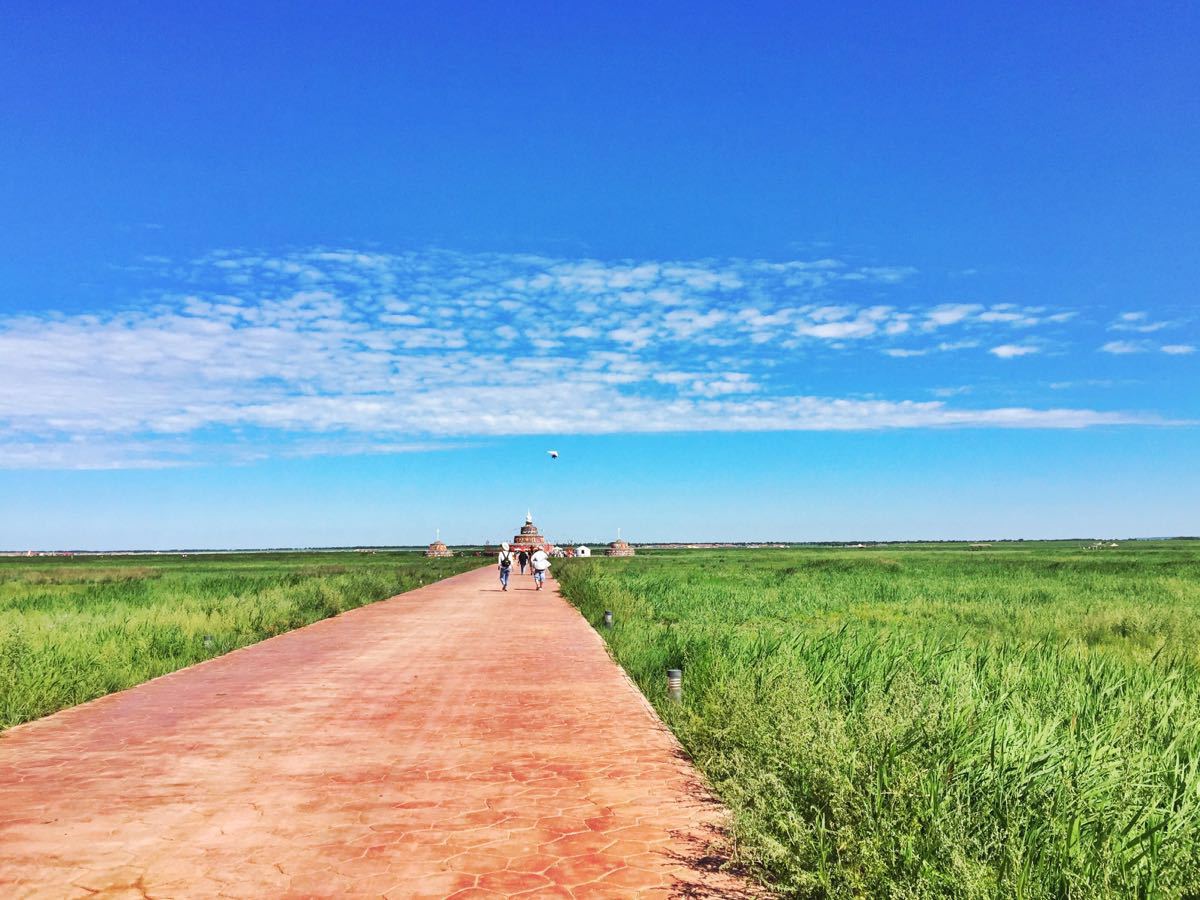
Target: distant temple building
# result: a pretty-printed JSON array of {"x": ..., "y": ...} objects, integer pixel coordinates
[
  {"x": 529, "y": 538},
  {"x": 619, "y": 547},
  {"x": 438, "y": 547}
]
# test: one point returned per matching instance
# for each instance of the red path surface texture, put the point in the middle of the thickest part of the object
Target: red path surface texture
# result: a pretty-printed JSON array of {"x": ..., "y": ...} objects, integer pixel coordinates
[{"x": 455, "y": 741}]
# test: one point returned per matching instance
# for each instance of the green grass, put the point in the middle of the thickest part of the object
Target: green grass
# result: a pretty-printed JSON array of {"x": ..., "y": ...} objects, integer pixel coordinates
[
  {"x": 73, "y": 629},
  {"x": 1020, "y": 721}
]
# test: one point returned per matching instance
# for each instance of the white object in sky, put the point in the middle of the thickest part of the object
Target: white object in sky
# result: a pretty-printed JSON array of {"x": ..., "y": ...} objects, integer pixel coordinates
[{"x": 553, "y": 454}]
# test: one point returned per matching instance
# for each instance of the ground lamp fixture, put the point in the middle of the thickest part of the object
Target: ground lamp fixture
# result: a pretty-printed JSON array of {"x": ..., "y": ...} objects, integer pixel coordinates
[{"x": 675, "y": 685}]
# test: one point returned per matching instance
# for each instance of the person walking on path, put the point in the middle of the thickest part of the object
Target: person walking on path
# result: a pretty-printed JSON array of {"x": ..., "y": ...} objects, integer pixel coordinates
[
  {"x": 505, "y": 562},
  {"x": 541, "y": 563},
  {"x": 523, "y": 560}
]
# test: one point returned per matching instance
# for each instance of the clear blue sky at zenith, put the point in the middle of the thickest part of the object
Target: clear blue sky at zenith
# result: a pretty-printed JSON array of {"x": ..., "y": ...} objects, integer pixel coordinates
[{"x": 278, "y": 274}]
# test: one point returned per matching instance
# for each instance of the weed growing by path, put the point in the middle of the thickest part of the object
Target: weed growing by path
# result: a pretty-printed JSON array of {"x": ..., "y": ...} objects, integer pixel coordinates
[
  {"x": 75, "y": 629},
  {"x": 931, "y": 722}
]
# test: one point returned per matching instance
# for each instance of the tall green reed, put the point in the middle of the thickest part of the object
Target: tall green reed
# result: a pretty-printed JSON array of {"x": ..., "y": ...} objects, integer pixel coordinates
[{"x": 929, "y": 722}]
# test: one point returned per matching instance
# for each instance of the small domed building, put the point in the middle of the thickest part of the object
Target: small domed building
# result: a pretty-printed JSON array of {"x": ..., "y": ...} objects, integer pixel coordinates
[
  {"x": 438, "y": 548},
  {"x": 619, "y": 547}
]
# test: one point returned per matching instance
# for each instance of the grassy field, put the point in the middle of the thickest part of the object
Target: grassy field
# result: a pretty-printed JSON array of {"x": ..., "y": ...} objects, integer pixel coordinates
[
  {"x": 1018, "y": 721},
  {"x": 73, "y": 629}
]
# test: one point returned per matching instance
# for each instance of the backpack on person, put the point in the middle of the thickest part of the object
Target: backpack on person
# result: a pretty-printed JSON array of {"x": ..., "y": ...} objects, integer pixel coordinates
[{"x": 505, "y": 560}]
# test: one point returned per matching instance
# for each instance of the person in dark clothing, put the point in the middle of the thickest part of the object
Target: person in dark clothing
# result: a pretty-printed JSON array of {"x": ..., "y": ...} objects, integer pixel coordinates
[{"x": 523, "y": 560}]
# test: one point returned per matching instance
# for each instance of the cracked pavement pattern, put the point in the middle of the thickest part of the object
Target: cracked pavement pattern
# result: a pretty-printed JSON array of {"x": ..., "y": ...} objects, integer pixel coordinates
[{"x": 454, "y": 741}]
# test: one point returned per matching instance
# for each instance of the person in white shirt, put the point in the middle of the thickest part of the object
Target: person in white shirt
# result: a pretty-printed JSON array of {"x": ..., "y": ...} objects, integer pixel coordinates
[
  {"x": 540, "y": 563},
  {"x": 505, "y": 561}
]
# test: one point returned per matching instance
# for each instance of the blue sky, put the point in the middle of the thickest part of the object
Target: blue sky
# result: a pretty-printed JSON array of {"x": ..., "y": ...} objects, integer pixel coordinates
[{"x": 279, "y": 276}]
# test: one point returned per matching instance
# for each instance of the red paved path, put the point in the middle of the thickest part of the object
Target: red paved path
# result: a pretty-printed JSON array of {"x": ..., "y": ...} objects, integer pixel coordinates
[{"x": 452, "y": 741}]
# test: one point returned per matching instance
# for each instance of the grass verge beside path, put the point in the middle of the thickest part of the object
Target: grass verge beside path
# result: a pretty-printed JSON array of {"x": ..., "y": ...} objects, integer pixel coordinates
[
  {"x": 931, "y": 722},
  {"x": 73, "y": 629}
]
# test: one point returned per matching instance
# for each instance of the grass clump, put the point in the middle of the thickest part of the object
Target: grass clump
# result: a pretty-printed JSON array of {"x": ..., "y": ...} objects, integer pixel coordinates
[
  {"x": 931, "y": 722},
  {"x": 73, "y": 629}
]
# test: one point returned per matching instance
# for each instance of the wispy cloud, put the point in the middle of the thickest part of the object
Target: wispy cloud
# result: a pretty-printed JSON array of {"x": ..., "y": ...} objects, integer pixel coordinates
[
  {"x": 1121, "y": 348},
  {"x": 1139, "y": 322},
  {"x": 950, "y": 314},
  {"x": 342, "y": 351},
  {"x": 1011, "y": 351},
  {"x": 1142, "y": 345}
]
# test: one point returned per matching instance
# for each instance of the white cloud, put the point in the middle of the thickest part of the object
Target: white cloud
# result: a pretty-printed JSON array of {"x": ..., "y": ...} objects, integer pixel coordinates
[
  {"x": 950, "y": 314},
  {"x": 1010, "y": 351},
  {"x": 728, "y": 383},
  {"x": 1008, "y": 314},
  {"x": 854, "y": 329},
  {"x": 636, "y": 336},
  {"x": 376, "y": 352},
  {"x": 830, "y": 313},
  {"x": 687, "y": 323},
  {"x": 1178, "y": 349},
  {"x": 1139, "y": 322},
  {"x": 1124, "y": 347},
  {"x": 1008, "y": 317},
  {"x": 888, "y": 274},
  {"x": 949, "y": 346}
]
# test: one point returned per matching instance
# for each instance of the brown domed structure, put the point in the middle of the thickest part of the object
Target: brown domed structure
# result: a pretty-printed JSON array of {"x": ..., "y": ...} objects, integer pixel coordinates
[
  {"x": 439, "y": 548},
  {"x": 619, "y": 547},
  {"x": 529, "y": 539}
]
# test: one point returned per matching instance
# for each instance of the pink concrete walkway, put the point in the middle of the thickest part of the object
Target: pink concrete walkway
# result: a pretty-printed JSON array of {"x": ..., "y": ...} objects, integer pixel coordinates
[{"x": 454, "y": 741}]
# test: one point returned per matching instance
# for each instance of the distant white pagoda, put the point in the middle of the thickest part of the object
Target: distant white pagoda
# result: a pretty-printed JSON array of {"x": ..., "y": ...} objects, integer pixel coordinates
[{"x": 529, "y": 538}]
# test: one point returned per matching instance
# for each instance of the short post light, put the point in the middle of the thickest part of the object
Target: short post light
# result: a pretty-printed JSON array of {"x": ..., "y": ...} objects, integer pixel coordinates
[
  {"x": 608, "y": 618},
  {"x": 675, "y": 685}
]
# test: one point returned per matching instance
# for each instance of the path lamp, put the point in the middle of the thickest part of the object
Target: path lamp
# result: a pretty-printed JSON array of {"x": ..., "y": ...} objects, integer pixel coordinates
[
  {"x": 675, "y": 685},
  {"x": 608, "y": 618}
]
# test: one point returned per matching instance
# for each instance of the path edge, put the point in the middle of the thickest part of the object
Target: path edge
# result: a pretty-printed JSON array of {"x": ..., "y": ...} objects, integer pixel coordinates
[{"x": 727, "y": 845}]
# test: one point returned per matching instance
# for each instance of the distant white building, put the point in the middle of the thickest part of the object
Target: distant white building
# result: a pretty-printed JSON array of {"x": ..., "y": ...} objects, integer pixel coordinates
[{"x": 582, "y": 551}]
